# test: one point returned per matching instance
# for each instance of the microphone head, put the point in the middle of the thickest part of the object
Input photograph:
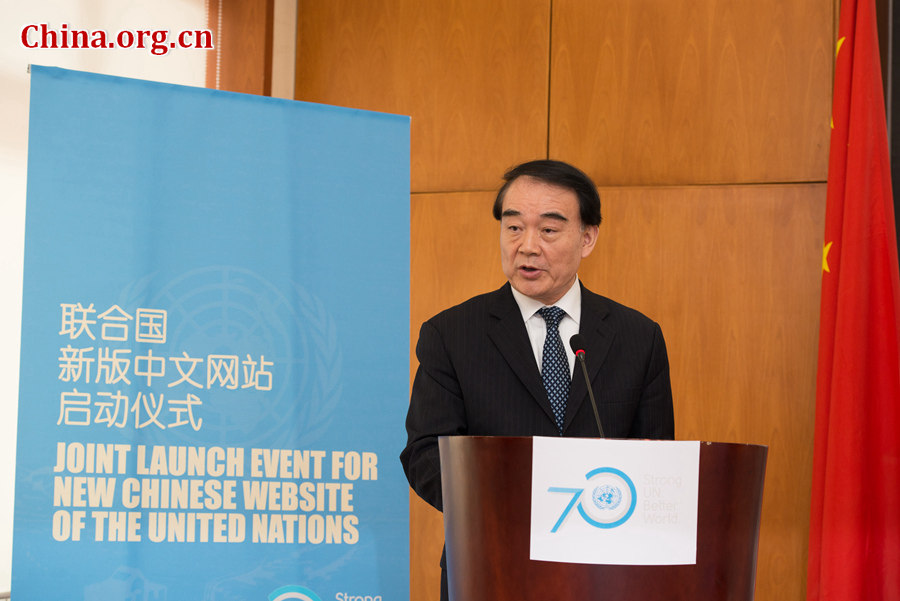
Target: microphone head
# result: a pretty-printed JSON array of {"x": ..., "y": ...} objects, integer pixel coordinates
[{"x": 576, "y": 342}]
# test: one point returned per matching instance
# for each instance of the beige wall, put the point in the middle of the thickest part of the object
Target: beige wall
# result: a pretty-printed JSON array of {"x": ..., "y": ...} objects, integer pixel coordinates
[{"x": 704, "y": 123}]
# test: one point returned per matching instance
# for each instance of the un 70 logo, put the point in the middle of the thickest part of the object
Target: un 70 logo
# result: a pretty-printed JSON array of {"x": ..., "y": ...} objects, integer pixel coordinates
[{"x": 608, "y": 500}]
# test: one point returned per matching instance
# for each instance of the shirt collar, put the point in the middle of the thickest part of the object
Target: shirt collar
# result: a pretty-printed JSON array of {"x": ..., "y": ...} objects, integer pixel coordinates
[{"x": 570, "y": 303}]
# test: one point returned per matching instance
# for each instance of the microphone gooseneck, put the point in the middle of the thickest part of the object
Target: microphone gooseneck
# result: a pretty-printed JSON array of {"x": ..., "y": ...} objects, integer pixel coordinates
[{"x": 576, "y": 342}]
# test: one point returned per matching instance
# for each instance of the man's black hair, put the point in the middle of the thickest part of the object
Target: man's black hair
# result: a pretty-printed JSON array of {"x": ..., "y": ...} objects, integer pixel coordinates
[{"x": 560, "y": 174}]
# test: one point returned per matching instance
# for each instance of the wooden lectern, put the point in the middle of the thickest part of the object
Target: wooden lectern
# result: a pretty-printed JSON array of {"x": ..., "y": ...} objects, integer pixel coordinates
[{"x": 487, "y": 520}]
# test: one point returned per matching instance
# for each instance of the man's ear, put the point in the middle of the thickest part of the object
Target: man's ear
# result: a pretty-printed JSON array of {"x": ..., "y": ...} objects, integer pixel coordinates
[{"x": 589, "y": 239}]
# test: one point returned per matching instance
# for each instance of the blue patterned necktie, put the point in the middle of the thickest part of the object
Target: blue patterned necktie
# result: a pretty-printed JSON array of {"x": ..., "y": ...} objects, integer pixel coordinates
[{"x": 555, "y": 365}]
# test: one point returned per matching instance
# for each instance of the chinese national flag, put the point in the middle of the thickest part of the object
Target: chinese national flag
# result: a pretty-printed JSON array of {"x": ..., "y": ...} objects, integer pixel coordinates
[{"x": 854, "y": 540}]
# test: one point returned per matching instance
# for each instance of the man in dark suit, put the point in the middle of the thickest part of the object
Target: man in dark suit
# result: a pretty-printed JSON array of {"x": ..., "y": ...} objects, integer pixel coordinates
[{"x": 500, "y": 364}]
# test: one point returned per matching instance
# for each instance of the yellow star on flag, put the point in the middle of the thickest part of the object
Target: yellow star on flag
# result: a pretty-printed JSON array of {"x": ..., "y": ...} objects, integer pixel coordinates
[
  {"x": 837, "y": 51},
  {"x": 825, "y": 257}
]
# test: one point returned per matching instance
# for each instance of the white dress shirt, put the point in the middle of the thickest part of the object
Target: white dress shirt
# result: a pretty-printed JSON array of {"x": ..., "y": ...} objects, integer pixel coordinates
[{"x": 537, "y": 327}]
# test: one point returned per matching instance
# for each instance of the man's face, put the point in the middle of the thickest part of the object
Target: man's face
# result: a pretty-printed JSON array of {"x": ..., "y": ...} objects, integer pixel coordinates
[{"x": 542, "y": 240}]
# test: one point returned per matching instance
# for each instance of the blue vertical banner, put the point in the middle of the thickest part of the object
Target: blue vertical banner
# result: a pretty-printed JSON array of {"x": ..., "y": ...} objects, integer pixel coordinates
[{"x": 215, "y": 347}]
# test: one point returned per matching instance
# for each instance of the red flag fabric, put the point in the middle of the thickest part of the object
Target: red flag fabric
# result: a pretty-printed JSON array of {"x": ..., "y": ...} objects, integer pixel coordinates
[{"x": 854, "y": 541}]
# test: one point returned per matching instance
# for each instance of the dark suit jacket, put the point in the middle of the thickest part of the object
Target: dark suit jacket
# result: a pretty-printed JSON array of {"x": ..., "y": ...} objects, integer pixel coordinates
[{"x": 478, "y": 376}]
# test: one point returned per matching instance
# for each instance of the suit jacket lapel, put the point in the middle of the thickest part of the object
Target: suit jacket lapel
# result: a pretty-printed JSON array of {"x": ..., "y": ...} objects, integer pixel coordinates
[
  {"x": 509, "y": 334},
  {"x": 598, "y": 338}
]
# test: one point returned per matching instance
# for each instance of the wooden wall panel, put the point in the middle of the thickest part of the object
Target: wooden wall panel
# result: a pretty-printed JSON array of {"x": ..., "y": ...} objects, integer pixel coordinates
[
  {"x": 692, "y": 91},
  {"x": 457, "y": 251},
  {"x": 242, "y": 33},
  {"x": 472, "y": 74},
  {"x": 732, "y": 275}
]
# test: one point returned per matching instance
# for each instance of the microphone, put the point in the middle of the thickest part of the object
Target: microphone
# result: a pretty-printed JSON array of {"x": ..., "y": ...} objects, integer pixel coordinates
[{"x": 576, "y": 342}]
